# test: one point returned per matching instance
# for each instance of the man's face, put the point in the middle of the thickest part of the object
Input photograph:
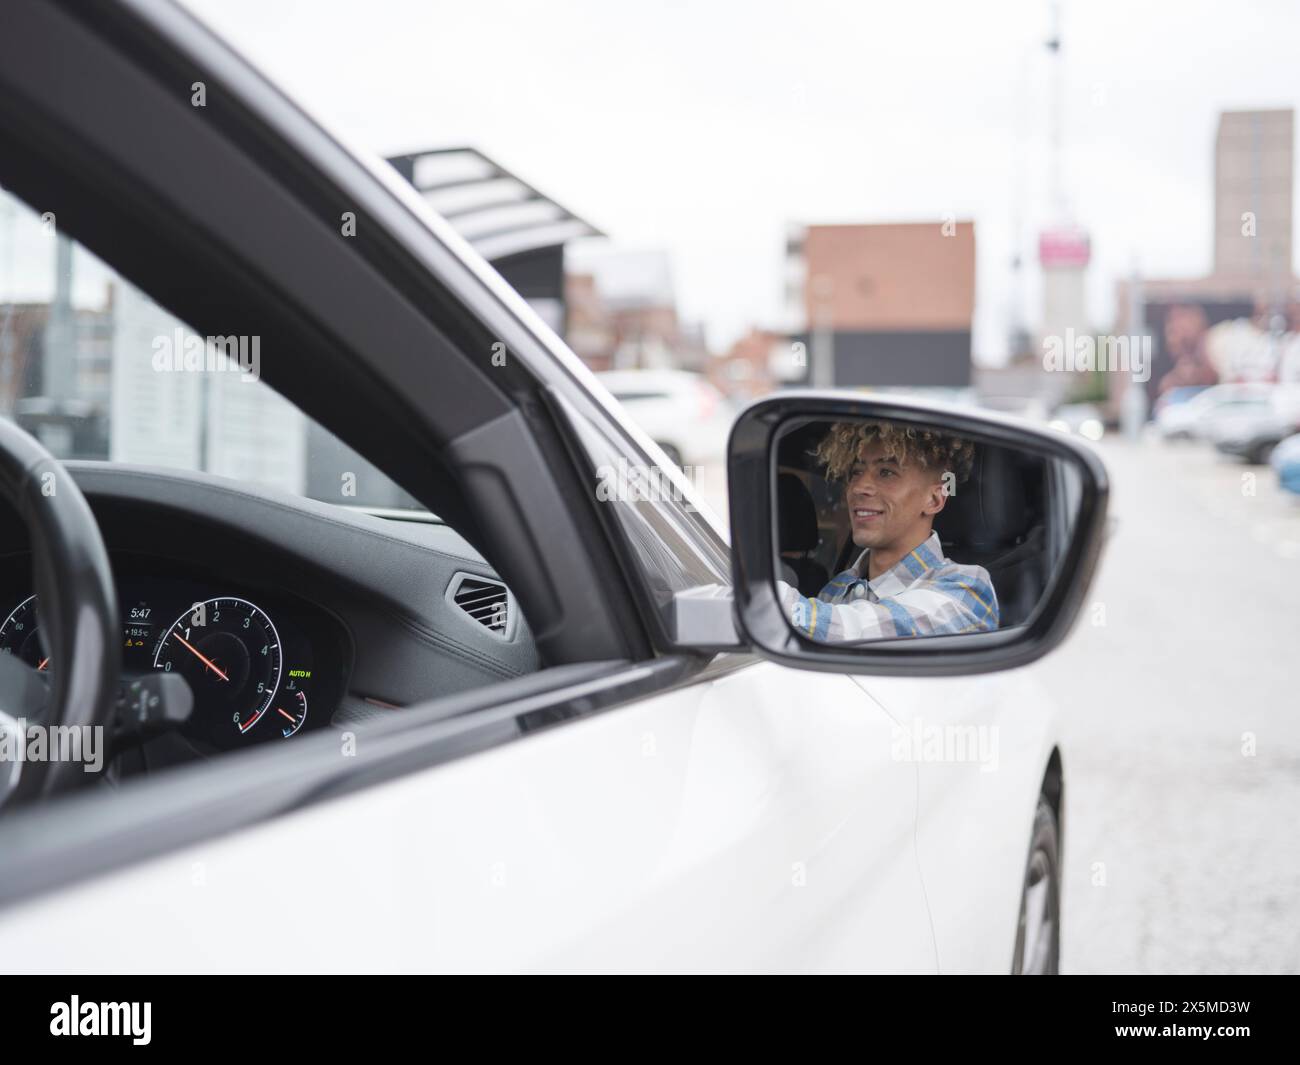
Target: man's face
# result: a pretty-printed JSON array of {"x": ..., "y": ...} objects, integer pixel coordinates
[{"x": 891, "y": 505}]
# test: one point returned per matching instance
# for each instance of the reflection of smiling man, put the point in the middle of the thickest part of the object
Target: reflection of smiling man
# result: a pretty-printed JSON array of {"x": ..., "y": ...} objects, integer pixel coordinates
[{"x": 896, "y": 479}]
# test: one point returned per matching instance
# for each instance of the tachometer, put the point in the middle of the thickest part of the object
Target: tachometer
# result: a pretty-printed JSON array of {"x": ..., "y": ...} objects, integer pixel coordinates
[{"x": 229, "y": 651}]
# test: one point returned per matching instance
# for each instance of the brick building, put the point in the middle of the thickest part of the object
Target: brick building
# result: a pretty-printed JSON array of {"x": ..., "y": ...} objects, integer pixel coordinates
[{"x": 884, "y": 305}]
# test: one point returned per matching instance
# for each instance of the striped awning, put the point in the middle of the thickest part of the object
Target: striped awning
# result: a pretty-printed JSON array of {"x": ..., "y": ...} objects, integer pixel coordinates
[{"x": 499, "y": 214}]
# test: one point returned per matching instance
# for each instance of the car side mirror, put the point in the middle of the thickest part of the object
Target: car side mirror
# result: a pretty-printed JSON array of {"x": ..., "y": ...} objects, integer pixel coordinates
[{"x": 887, "y": 536}]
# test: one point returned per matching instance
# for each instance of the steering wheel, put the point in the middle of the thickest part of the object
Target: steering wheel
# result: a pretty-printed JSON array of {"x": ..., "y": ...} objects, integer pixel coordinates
[{"x": 78, "y": 618}]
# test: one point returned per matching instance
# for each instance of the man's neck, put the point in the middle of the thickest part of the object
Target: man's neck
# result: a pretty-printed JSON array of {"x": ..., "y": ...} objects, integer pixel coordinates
[{"x": 882, "y": 559}]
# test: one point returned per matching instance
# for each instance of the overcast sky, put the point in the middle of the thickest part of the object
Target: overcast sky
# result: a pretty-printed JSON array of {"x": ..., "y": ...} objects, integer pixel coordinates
[{"x": 704, "y": 128}]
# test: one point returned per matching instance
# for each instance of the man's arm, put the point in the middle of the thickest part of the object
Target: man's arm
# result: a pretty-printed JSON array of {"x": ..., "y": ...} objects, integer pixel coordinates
[{"x": 950, "y": 601}]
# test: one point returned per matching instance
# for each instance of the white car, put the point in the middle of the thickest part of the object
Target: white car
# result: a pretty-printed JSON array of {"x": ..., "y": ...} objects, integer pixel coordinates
[
  {"x": 1195, "y": 418},
  {"x": 1028, "y": 408},
  {"x": 680, "y": 411},
  {"x": 1082, "y": 418},
  {"x": 542, "y": 731},
  {"x": 1251, "y": 430}
]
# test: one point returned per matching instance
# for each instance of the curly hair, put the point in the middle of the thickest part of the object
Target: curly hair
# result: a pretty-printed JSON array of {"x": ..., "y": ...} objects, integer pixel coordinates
[{"x": 932, "y": 451}]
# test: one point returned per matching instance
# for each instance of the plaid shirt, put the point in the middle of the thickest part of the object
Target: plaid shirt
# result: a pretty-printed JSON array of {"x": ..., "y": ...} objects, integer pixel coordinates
[{"x": 925, "y": 594}]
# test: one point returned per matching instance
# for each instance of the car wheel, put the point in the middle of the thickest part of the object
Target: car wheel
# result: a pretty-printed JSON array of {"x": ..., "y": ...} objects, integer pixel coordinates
[
  {"x": 1038, "y": 933},
  {"x": 1261, "y": 453},
  {"x": 671, "y": 452}
]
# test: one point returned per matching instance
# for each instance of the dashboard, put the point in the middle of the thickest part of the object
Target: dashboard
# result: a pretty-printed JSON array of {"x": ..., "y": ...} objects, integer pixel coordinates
[
  {"x": 284, "y": 615},
  {"x": 263, "y": 665}
]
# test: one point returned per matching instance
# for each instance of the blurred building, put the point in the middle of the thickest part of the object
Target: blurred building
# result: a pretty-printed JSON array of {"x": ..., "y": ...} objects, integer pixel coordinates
[
  {"x": 1242, "y": 322},
  {"x": 888, "y": 305},
  {"x": 622, "y": 314},
  {"x": 758, "y": 362},
  {"x": 22, "y": 345},
  {"x": 1063, "y": 255},
  {"x": 213, "y": 421},
  {"x": 1253, "y": 185},
  {"x": 54, "y": 365},
  {"x": 592, "y": 332}
]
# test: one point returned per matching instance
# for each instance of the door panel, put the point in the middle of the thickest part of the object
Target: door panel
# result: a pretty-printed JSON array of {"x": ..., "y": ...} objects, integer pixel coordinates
[
  {"x": 791, "y": 845},
  {"x": 753, "y": 822},
  {"x": 981, "y": 746}
]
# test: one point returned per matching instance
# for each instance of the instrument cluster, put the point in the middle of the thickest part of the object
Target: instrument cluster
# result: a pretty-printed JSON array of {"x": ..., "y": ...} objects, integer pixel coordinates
[{"x": 262, "y": 665}]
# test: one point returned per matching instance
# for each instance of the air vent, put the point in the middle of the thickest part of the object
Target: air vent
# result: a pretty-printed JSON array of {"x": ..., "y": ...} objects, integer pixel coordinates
[{"x": 486, "y": 601}]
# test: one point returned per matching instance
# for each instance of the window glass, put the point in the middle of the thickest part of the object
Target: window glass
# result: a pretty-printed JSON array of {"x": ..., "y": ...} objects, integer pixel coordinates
[
  {"x": 672, "y": 548},
  {"x": 94, "y": 369}
]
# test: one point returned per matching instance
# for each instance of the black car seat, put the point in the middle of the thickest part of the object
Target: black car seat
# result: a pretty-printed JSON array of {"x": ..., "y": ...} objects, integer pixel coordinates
[
  {"x": 992, "y": 521},
  {"x": 798, "y": 535}
]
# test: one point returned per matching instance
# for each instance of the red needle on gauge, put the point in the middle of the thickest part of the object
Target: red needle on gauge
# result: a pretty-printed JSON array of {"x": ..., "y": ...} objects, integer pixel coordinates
[
  {"x": 286, "y": 713},
  {"x": 44, "y": 662},
  {"x": 201, "y": 657}
]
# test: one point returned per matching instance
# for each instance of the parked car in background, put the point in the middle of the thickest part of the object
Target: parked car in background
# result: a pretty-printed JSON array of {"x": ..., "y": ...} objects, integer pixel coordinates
[
  {"x": 1251, "y": 431},
  {"x": 1285, "y": 461},
  {"x": 1028, "y": 408},
  {"x": 1175, "y": 396},
  {"x": 679, "y": 410},
  {"x": 1193, "y": 419},
  {"x": 1082, "y": 419}
]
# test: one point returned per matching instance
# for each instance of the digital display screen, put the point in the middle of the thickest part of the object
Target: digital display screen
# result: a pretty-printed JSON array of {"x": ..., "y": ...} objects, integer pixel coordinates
[{"x": 139, "y": 633}]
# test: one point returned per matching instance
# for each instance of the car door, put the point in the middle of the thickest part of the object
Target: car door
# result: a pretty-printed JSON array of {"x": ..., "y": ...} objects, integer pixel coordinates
[
  {"x": 729, "y": 824},
  {"x": 983, "y": 749},
  {"x": 789, "y": 846}
]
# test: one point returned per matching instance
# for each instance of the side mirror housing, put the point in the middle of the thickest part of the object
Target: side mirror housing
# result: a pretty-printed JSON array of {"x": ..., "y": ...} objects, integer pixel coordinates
[{"x": 827, "y": 493}]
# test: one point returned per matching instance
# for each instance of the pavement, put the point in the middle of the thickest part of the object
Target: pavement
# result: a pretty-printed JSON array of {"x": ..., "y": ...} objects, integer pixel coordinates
[{"x": 1182, "y": 724}]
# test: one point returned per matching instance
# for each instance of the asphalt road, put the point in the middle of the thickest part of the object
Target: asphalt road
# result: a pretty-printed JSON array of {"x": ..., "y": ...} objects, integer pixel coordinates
[{"x": 1182, "y": 720}]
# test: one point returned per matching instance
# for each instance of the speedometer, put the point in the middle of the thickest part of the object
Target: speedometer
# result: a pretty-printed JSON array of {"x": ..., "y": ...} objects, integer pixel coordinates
[
  {"x": 20, "y": 635},
  {"x": 229, "y": 651}
]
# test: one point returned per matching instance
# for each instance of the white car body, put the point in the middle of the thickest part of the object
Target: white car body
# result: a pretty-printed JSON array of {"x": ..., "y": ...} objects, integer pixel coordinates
[{"x": 763, "y": 821}]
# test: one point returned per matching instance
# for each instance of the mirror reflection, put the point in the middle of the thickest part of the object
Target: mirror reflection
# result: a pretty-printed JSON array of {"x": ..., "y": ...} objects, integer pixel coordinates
[{"x": 896, "y": 529}]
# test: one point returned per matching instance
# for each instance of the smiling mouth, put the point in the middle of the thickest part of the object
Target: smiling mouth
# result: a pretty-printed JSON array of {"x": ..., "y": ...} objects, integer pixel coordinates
[{"x": 866, "y": 514}]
